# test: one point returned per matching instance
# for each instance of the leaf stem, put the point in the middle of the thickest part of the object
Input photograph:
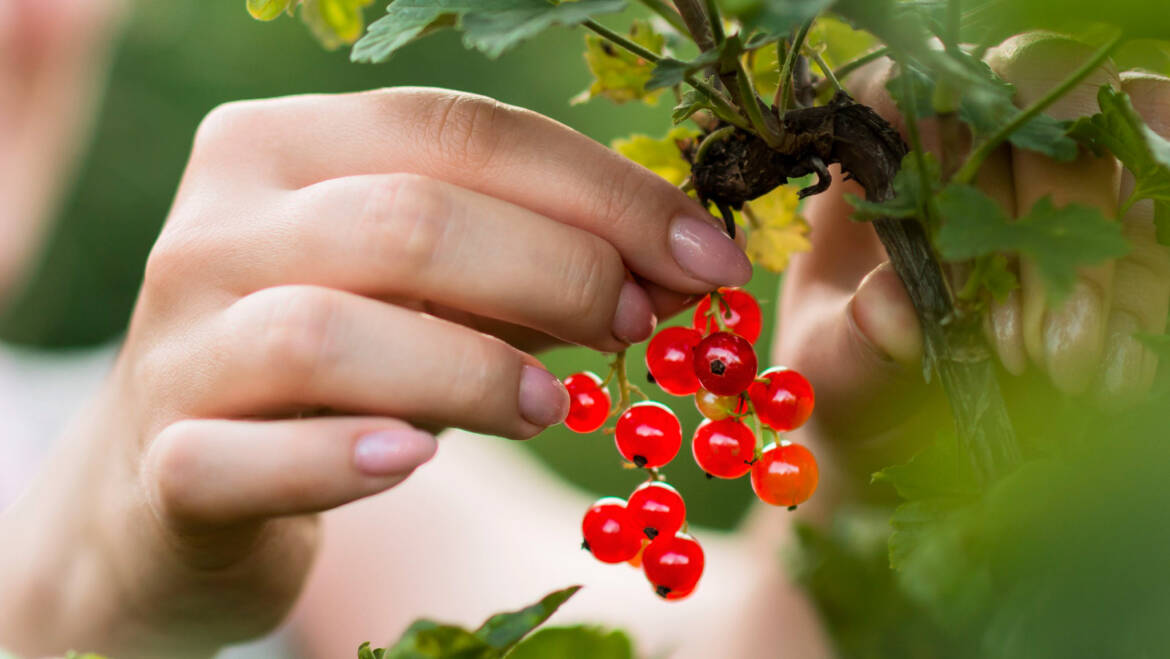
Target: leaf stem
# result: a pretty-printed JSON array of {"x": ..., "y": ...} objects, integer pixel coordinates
[
  {"x": 825, "y": 69},
  {"x": 723, "y": 107},
  {"x": 667, "y": 13},
  {"x": 716, "y": 22},
  {"x": 970, "y": 167},
  {"x": 849, "y": 67},
  {"x": 751, "y": 105},
  {"x": 785, "y": 89}
]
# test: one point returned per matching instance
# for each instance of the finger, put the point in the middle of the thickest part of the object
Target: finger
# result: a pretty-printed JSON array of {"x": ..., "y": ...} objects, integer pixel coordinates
[
  {"x": 485, "y": 146},
  {"x": 296, "y": 347},
  {"x": 404, "y": 235},
  {"x": 1067, "y": 340},
  {"x": 217, "y": 472},
  {"x": 1141, "y": 283}
]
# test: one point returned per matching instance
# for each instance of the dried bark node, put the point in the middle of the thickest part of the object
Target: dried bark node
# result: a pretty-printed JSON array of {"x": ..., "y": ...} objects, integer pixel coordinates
[{"x": 742, "y": 167}]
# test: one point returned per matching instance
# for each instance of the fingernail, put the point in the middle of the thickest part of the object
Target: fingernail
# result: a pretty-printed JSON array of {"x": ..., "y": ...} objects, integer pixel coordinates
[
  {"x": 543, "y": 399},
  {"x": 1073, "y": 337},
  {"x": 883, "y": 318},
  {"x": 1121, "y": 371},
  {"x": 707, "y": 253},
  {"x": 634, "y": 320},
  {"x": 391, "y": 452}
]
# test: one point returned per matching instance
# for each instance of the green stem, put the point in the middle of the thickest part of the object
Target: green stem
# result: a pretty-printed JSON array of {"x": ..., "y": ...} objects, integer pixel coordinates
[
  {"x": 849, "y": 67},
  {"x": 712, "y": 138},
  {"x": 716, "y": 22},
  {"x": 785, "y": 89},
  {"x": 618, "y": 369},
  {"x": 752, "y": 106},
  {"x": 916, "y": 148},
  {"x": 825, "y": 69},
  {"x": 667, "y": 13},
  {"x": 971, "y": 166},
  {"x": 721, "y": 105}
]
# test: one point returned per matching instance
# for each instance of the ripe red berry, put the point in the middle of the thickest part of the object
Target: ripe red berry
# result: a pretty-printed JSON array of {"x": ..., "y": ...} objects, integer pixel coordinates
[
  {"x": 725, "y": 363},
  {"x": 719, "y": 407},
  {"x": 673, "y": 564},
  {"x": 669, "y": 358},
  {"x": 610, "y": 531},
  {"x": 785, "y": 401},
  {"x": 658, "y": 508},
  {"x": 725, "y": 449},
  {"x": 785, "y": 475},
  {"x": 741, "y": 314},
  {"x": 648, "y": 434},
  {"x": 588, "y": 402}
]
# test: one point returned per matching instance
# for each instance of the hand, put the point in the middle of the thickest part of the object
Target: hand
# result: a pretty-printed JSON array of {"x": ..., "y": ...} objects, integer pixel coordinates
[
  {"x": 849, "y": 325},
  {"x": 380, "y": 262},
  {"x": 52, "y": 54}
]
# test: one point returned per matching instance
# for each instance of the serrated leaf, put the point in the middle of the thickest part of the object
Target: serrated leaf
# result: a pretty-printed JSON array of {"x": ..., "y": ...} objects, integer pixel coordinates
[
  {"x": 909, "y": 196},
  {"x": 838, "y": 41},
  {"x": 1119, "y": 129},
  {"x": 574, "y": 643},
  {"x": 426, "y": 639},
  {"x": 618, "y": 74},
  {"x": 779, "y": 230},
  {"x": 692, "y": 101},
  {"x": 661, "y": 156},
  {"x": 490, "y": 26},
  {"x": 670, "y": 72},
  {"x": 1057, "y": 240},
  {"x": 366, "y": 652},
  {"x": 267, "y": 10},
  {"x": 504, "y": 630},
  {"x": 989, "y": 273},
  {"x": 941, "y": 471}
]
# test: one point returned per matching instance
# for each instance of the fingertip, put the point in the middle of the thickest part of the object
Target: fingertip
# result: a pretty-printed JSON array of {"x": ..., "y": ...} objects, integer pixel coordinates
[
  {"x": 393, "y": 451},
  {"x": 881, "y": 313},
  {"x": 634, "y": 320},
  {"x": 543, "y": 399}
]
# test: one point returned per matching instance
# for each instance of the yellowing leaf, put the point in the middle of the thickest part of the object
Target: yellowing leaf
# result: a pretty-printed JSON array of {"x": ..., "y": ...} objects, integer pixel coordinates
[
  {"x": 661, "y": 156},
  {"x": 838, "y": 41},
  {"x": 267, "y": 10},
  {"x": 335, "y": 22},
  {"x": 778, "y": 230},
  {"x": 620, "y": 75},
  {"x": 764, "y": 68}
]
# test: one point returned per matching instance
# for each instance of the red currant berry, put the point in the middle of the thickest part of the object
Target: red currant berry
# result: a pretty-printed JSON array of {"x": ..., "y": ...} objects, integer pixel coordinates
[
  {"x": 725, "y": 363},
  {"x": 658, "y": 508},
  {"x": 719, "y": 407},
  {"x": 725, "y": 449},
  {"x": 673, "y": 565},
  {"x": 648, "y": 434},
  {"x": 588, "y": 402},
  {"x": 741, "y": 314},
  {"x": 785, "y": 475},
  {"x": 669, "y": 358},
  {"x": 785, "y": 401},
  {"x": 610, "y": 531}
]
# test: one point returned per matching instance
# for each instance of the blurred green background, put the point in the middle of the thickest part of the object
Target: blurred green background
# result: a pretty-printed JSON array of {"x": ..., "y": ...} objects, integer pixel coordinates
[{"x": 178, "y": 60}]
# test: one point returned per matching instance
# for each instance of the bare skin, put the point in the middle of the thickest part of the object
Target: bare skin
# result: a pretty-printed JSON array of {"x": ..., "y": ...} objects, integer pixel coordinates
[{"x": 398, "y": 269}]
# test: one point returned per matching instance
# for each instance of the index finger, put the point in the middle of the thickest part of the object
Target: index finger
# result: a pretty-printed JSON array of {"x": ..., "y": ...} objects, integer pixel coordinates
[{"x": 489, "y": 147}]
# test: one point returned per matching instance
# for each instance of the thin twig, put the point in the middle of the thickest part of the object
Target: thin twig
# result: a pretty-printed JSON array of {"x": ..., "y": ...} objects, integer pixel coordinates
[{"x": 828, "y": 71}]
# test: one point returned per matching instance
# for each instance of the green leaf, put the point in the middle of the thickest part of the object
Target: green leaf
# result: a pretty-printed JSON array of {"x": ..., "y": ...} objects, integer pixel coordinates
[
  {"x": 941, "y": 471},
  {"x": 1119, "y": 130},
  {"x": 1057, "y": 240},
  {"x": 267, "y": 10},
  {"x": 989, "y": 273},
  {"x": 365, "y": 652},
  {"x": 670, "y": 72},
  {"x": 774, "y": 16},
  {"x": 504, "y": 630},
  {"x": 618, "y": 74},
  {"x": 490, "y": 26},
  {"x": 909, "y": 197},
  {"x": 430, "y": 640},
  {"x": 334, "y": 22},
  {"x": 692, "y": 101},
  {"x": 574, "y": 643}
]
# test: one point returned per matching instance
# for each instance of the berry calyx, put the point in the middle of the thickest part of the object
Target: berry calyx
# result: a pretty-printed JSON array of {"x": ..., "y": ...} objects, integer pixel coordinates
[
  {"x": 785, "y": 475},
  {"x": 673, "y": 564},
  {"x": 724, "y": 448},
  {"x": 611, "y": 533},
  {"x": 648, "y": 434},
  {"x": 740, "y": 311},
  {"x": 725, "y": 363},
  {"x": 589, "y": 403},
  {"x": 669, "y": 358},
  {"x": 716, "y": 407},
  {"x": 782, "y": 398},
  {"x": 658, "y": 508}
]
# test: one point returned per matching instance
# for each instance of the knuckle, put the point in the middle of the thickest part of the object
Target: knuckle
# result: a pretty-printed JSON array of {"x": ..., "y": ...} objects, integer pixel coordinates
[
  {"x": 591, "y": 270},
  {"x": 475, "y": 385},
  {"x": 1150, "y": 93},
  {"x": 227, "y": 124},
  {"x": 407, "y": 218},
  {"x": 465, "y": 128},
  {"x": 175, "y": 472},
  {"x": 628, "y": 192},
  {"x": 292, "y": 328}
]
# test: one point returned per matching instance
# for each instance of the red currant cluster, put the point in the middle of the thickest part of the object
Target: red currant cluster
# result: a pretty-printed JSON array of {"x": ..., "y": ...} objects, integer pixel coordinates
[{"x": 715, "y": 362}]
